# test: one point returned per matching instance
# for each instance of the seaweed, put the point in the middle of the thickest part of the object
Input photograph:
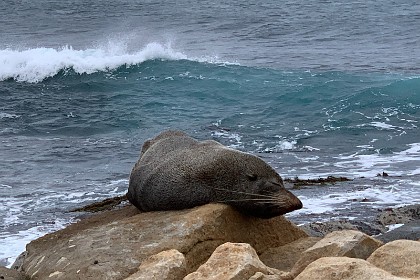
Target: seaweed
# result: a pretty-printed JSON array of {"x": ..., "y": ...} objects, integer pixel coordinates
[
  {"x": 297, "y": 183},
  {"x": 102, "y": 205}
]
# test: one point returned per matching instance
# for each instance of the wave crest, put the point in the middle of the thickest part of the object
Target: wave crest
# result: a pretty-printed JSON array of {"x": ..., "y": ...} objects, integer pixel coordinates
[{"x": 37, "y": 64}]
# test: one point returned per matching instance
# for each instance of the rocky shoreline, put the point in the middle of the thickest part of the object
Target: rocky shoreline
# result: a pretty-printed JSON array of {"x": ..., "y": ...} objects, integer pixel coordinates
[{"x": 215, "y": 241}]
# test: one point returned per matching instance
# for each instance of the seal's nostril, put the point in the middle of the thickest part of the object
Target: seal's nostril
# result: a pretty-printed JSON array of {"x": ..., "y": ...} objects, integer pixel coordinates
[{"x": 252, "y": 177}]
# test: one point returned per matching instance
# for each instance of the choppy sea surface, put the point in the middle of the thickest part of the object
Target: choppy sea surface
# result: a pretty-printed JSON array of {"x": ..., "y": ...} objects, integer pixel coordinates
[{"x": 316, "y": 88}]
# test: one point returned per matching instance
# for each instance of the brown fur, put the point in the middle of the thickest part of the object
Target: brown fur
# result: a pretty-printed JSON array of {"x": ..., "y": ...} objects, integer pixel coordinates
[{"x": 176, "y": 171}]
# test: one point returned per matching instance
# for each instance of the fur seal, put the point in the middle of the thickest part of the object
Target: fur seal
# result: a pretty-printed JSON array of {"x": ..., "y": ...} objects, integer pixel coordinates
[{"x": 176, "y": 172}]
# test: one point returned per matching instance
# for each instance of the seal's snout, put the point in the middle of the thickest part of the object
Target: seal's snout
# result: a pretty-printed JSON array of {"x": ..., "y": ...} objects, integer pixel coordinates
[
  {"x": 285, "y": 198},
  {"x": 297, "y": 204},
  {"x": 300, "y": 204},
  {"x": 293, "y": 202}
]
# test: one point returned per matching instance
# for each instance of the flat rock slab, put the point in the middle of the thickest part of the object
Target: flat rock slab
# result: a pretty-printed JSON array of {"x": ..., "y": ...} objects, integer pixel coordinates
[{"x": 112, "y": 244}]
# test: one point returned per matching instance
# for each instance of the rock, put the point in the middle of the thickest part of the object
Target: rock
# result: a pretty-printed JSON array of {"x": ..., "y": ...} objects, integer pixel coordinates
[
  {"x": 400, "y": 257},
  {"x": 321, "y": 229},
  {"x": 112, "y": 244},
  {"x": 10, "y": 274},
  {"x": 233, "y": 261},
  {"x": 347, "y": 243},
  {"x": 284, "y": 258},
  {"x": 344, "y": 268},
  {"x": 399, "y": 215},
  {"x": 167, "y": 265},
  {"x": 17, "y": 265},
  {"x": 403, "y": 215},
  {"x": 410, "y": 231},
  {"x": 106, "y": 204}
]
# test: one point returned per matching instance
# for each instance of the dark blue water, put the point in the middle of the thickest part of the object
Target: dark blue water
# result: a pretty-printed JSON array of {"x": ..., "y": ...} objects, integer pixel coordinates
[{"x": 315, "y": 88}]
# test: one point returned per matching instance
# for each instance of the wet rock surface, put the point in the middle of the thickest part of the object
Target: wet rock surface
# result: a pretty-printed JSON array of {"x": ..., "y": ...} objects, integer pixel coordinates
[{"x": 358, "y": 213}]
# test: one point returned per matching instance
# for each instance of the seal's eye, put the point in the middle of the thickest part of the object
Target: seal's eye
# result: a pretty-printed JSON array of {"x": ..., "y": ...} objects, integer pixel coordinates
[{"x": 252, "y": 177}]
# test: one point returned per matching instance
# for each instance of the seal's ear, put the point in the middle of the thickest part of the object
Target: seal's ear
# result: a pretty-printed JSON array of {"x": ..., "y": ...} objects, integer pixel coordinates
[
  {"x": 145, "y": 146},
  {"x": 252, "y": 177}
]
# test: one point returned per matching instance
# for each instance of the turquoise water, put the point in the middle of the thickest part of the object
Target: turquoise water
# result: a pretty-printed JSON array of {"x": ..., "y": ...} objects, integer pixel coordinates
[
  {"x": 262, "y": 106},
  {"x": 315, "y": 88}
]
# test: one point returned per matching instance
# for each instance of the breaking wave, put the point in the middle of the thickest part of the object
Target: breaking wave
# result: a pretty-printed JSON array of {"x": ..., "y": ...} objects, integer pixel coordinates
[{"x": 36, "y": 64}]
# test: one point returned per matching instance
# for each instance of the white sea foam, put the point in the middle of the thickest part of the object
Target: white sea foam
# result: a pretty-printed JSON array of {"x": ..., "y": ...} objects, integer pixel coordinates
[
  {"x": 382, "y": 125},
  {"x": 282, "y": 145},
  {"x": 11, "y": 245},
  {"x": 394, "y": 226},
  {"x": 369, "y": 165},
  {"x": 15, "y": 212},
  {"x": 8, "y": 116},
  {"x": 234, "y": 138},
  {"x": 310, "y": 149},
  {"x": 286, "y": 145},
  {"x": 36, "y": 64},
  {"x": 374, "y": 196}
]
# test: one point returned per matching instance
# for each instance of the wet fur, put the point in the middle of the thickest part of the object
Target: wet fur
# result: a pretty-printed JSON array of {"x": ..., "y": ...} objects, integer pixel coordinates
[{"x": 176, "y": 171}]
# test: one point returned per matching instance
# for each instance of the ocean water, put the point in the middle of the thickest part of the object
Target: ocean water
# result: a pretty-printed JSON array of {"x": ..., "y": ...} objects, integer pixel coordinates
[{"x": 315, "y": 88}]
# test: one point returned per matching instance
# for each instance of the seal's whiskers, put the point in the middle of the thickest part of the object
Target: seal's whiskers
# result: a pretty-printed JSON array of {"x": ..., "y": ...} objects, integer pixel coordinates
[
  {"x": 251, "y": 194},
  {"x": 249, "y": 199}
]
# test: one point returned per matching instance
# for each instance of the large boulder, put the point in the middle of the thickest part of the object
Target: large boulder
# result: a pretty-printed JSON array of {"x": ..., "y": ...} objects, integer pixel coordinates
[
  {"x": 166, "y": 265},
  {"x": 112, "y": 244},
  {"x": 346, "y": 243},
  {"x": 284, "y": 257},
  {"x": 344, "y": 268},
  {"x": 400, "y": 257},
  {"x": 232, "y": 261}
]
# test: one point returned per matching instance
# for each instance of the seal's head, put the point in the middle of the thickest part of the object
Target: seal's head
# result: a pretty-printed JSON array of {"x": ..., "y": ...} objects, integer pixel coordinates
[{"x": 251, "y": 185}]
